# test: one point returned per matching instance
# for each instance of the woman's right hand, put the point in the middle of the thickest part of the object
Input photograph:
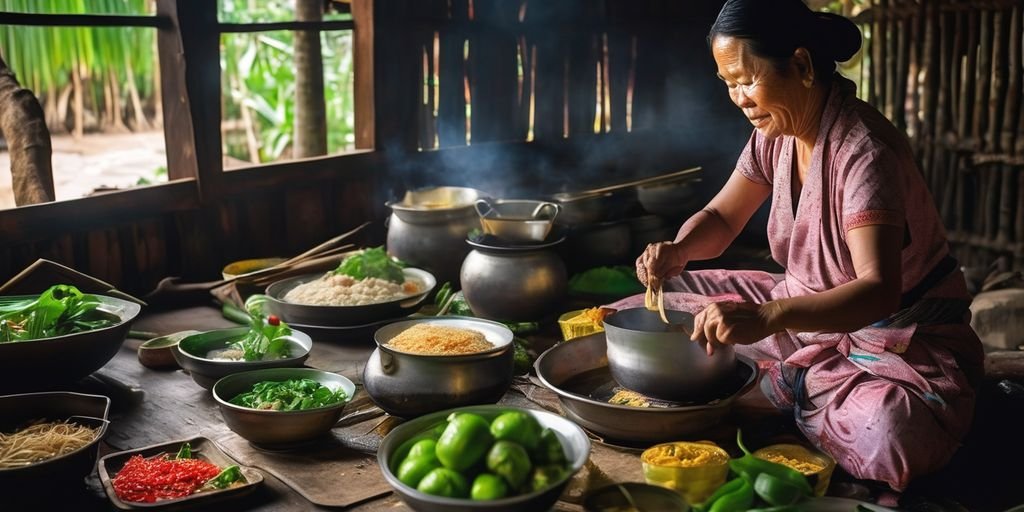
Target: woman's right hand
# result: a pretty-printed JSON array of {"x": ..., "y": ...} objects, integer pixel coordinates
[{"x": 660, "y": 260}]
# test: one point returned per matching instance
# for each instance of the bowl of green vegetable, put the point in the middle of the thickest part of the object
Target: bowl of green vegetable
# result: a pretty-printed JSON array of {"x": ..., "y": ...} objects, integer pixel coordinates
[
  {"x": 208, "y": 356},
  {"x": 282, "y": 407},
  {"x": 367, "y": 287},
  {"x": 59, "y": 336},
  {"x": 485, "y": 457}
]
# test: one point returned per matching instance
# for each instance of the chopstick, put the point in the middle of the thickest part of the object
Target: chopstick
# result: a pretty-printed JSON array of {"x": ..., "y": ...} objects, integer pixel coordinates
[{"x": 644, "y": 181}]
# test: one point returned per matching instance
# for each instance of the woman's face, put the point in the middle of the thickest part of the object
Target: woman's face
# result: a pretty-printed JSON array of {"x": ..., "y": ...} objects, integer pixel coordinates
[{"x": 774, "y": 100}]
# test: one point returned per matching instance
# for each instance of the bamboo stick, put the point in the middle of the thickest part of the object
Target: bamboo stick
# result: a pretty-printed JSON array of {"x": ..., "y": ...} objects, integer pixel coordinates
[
  {"x": 910, "y": 35},
  {"x": 956, "y": 68},
  {"x": 1006, "y": 206},
  {"x": 1013, "y": 89},
  {"x": 1018, "y": 230},
  {"x": 878, "y": 55},
  {"x": 891, "y": 68},
  {"x": 996, "y": 98},
  {"x": 927, "y": 112},
  {"x": 991, "y": 204},
  {"x": 984, "y": 78},
  {"x": 968, "y": 76}
]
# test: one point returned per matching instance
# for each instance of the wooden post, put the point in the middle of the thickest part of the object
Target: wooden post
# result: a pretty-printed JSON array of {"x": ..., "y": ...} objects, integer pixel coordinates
[
  {"x": 310, "y": 128},
  {"x": 191, "y": 94},
  {"x": 362, "y": 69}
]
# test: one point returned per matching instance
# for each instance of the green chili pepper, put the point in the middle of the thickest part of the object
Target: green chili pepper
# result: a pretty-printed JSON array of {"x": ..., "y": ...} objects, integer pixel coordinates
[
  {"x": 412, "y": 470},
  {"x": 510, "y": 461},
  {"x": 230, "y": 475},
  {"x": 726, "y": 488},
  {"x": 444, "y": 482},
  {"x": 464, "y": 441},
  {"x": 544, "y": 476},
  {"x": 739, "y": 500},
  {"x": 185, "y": 452},
  {"x": 750, "y": 467},
  {"x": 422, "y": 448},
  {"x": 777, "y": 491},
  {"x": 549, "y": 449},
  {"x": 518, "y": 427},
  {"x": 488, "y": 486},
  {"x": 781, "y": 508}
]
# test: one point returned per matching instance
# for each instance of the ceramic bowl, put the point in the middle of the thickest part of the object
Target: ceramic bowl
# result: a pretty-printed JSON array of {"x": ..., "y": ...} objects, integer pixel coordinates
[
  {"x": 192, "y": 352},
  {"x": 279, "y": 429}
]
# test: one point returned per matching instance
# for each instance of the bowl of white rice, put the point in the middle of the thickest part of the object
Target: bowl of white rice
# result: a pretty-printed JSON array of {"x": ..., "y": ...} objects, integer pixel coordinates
[{"x": 333, "y": 300}]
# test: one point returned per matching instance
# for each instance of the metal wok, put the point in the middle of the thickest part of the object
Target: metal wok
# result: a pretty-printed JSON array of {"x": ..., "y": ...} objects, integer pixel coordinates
[
  {"x": 578, "y": 372},
  {"x": 344, "y": 316},
  {"x": 49, "y": 363}
]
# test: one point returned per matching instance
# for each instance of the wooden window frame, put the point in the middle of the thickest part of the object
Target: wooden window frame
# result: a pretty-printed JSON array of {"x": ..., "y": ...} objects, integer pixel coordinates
[{"x": 188, "y": 40}]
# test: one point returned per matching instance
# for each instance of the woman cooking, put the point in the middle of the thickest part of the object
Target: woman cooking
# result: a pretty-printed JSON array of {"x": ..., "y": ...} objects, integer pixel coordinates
[{"x": 865, "y": 335}]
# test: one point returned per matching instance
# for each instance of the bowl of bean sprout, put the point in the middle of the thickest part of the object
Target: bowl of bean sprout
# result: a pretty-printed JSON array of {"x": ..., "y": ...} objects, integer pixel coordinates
[{"x": 50, "y": 439}]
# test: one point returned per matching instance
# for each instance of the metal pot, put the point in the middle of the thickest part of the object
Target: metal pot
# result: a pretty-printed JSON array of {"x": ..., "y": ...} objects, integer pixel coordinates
[
  {"x": 513, "y": 284},
  {"x": 658, "y": 359},
  {"x": 428, "y": 226},
  {"x": 409, "y": 385},
  {"x": 517, "y": 220}
]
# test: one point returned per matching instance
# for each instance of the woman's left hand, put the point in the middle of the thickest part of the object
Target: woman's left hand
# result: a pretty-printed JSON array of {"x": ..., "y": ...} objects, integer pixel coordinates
[{"x": 732, "y": 323}]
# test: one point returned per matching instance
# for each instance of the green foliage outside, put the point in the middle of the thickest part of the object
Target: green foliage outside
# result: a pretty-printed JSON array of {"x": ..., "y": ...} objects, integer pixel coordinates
[{"x": 118, "y": 72}]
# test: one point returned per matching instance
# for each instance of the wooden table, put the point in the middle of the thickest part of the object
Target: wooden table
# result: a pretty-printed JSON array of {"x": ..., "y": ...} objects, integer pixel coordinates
[
  {"x": 152, "y": 407},
  {"x": 155, "y": 407}
]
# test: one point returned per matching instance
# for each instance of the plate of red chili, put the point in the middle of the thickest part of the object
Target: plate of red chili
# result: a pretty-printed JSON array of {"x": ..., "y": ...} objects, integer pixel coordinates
[{"x": 153, "y": 476}]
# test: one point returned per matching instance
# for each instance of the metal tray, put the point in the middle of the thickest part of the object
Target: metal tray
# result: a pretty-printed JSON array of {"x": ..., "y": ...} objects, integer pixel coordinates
[
  {"x": 578, "y": 372},
  {"x": 202, "y": 448}
]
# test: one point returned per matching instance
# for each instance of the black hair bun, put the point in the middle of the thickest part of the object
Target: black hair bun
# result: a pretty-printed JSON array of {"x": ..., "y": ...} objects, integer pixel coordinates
[{"x": 839, "y": 36}]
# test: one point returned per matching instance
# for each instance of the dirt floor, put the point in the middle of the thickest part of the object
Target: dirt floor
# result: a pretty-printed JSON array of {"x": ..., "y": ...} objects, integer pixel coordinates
[{"x": 94, "y": 161}]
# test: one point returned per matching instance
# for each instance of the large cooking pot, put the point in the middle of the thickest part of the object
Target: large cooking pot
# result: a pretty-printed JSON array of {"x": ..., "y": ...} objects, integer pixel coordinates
[
  {"x": 428, "y": 226},
  {"x": 658, "y": 359},
  {"x": 578, "y": 372},
  {"x": 409, "y": 385},
  {"x": 513, "y": 283}
]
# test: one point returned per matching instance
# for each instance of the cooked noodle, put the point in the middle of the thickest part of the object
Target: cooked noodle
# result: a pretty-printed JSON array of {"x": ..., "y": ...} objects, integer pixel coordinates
[
  {"x": 654, "y": 299},
  {"x": 42, "y": 441}
]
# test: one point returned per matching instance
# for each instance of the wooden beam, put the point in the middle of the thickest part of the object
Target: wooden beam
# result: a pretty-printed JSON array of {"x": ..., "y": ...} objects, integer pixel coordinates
[
  {"x": 229, "y": 28},
  {"x": 83, "y": 20},
  {"x": 49, "y": 220}
]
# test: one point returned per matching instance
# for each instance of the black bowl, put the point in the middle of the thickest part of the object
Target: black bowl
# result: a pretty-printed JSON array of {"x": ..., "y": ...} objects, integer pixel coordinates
[
  {"x": 48, "y": 363},
  {"x": 344, "y": 316},
  {"x": 646, "y": 497},
  {"x": 16, "y": 411}
]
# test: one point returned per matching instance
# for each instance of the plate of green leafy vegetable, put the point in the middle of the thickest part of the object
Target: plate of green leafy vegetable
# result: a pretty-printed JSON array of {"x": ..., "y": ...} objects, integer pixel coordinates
[
  {"x": 366, "y": 287},
  {"x": 59, "y": 336}
]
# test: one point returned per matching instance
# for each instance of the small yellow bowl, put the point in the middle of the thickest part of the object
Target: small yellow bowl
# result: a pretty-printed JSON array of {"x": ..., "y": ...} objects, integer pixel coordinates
[
  {"x": 814, "y": 465},
  {"x": 693, "y": 469},
  {"x": 575, "y": 325},
  {"x": 243, "y": 267}
]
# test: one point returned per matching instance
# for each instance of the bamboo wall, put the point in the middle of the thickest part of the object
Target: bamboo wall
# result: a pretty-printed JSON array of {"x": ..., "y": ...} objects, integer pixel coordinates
[
  {"x": 661, "y": 109},
  {"x": 949, "y": 72}
]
